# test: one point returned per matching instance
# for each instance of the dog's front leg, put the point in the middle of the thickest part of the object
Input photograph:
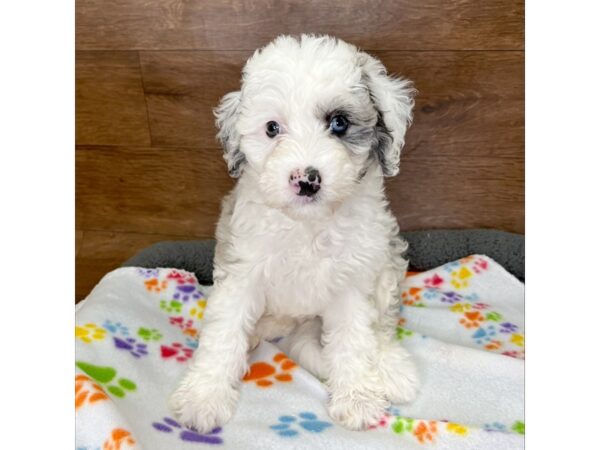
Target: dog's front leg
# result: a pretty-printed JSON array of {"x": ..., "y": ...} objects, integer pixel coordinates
[
  {"x": 357, "y": 399},
  {"x": 207, "y": 395}
]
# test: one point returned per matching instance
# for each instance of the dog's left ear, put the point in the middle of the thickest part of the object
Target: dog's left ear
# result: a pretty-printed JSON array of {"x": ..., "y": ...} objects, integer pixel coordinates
[
  {"x": 226, "y": 115},
  {"x": 394, "y": 100}
]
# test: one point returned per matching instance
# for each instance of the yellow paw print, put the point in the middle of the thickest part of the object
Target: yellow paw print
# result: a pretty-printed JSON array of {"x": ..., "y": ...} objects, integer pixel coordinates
[
  {"x": 518, "y": 339},
  {"x": 89, "y": 332},
  {"x": 457, "y": 428},
  {"x": 197, "y": 312},
  {"x": 460, "y": 278},
  {"x": 460, "y": 307}
]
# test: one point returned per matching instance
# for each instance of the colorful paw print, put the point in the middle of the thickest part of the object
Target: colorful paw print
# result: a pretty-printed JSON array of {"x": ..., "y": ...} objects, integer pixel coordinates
[
  {"x": 480, "y": 265},
  {"x": 434, "y": 281},
  {"x": 104, "y": 375},
  {"x": 493, "y": 316},
  {"x": 148, "y": 273},
  {"x": 484, "y": 334},
  {"x": 262, "y": 372},
  {"x": 171, "y": 306},
  {"x": 493, "y": 345},
  {"x": 451, "y": 297},
  {"x": 518, "y": 339},
  {"x": 89, "y": 332},
  {"x": 402, "y": 333},
  {"x": 412, "y": 296},
  {"x": 186, "y": 292},
  {"x": 457, "y": 428},
  {"x": 402, "y": 425},
  {"x": 155, "y": 285},
  {"x": 136, "y": 349},
  {"x": 185, "y": 325},
  {"x": 508, "y": 327},
  {"x": 460, "y": 278},
  {"x": 87, "y": 391},
  {"x": 472, "y": 319},
  {"x": 197, "y": 311},
  {"x": 425, "y": 430},
  {"x": 116, "y": 328},
  {"x": 176, "y": 351},
  {"x": 460, "y": 307},
  {"x": 169, "y": 425},
  {"x": 149, "y": 334},
  {"x": 119, "y": 439},
  {"x": 495, "y": 427},
  {"x": 518, "y": 427},
  {"x": 307, "y": 421},
  {"x": 384, "y": 421}
]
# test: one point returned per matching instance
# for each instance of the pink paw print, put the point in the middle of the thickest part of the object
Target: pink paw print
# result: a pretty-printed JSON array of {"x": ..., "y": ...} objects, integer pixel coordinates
[{"x": 177, "y": 351}]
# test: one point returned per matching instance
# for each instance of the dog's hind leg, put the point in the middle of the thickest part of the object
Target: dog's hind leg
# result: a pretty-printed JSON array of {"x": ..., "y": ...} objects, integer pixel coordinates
[{"x": 303, "y": 345}]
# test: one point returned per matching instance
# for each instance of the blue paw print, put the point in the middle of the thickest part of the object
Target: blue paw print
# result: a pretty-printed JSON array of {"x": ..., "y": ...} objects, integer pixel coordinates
[
  {"x": 482, "y": 335},
  {"x": 191, "y": 343},
  {"x": 115, "y": 328},
  {"x": 496, "y": 426},
  {"x": 308, "y": 421}
]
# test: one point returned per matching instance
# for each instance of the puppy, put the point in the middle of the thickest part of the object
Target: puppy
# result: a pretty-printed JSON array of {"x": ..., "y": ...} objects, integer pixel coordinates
[{"x": 306, "y": 244}]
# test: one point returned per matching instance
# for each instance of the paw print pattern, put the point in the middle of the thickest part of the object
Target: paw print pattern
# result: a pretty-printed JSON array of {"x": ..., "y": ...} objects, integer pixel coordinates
[
  {"x": 105, "y": 375},
  {"x": 402, "y": 333},
  {"x": 197, "y": 311},
  {"x": 495, "y": 427},
  {"x": 171, "y": 306},
  {"x": 119, "y": 440},
  {"x": 149, "y": 334},
  {"x": 176, "y": 351},
  {"x": 384, "y": 421},
  {"x": 518, "y": 427},
  {"x": 262, "y": 372},
  {"x": 308, "y": 422},
  {"x": 508, "y": 327},
  {"x": 136, "y": 349},
  {"x": 480, "y": 265},
  {"x": 155, "y": 285},
  {"x": 89, "y": 332},
  {"x": 451, "y": 297},
  {"x": 518, "y": 339},
  {"x": 425, "y": 430},
  {"x": 403, "y": 425},
  {"x": 434, "y": 281},
  {"x": 169, "y": 425},
  {"x": 472, "y": 319},
  {"x": 457, "y": 428},
  {"x": 460, "y": 278},
  {"x": 412, "y": 296},
  {"x": 484, "y": 334},
  {"x": 87, "y": 391},
  {"x": 148, "y": 273},
  {"x": 460, "y": 307},
  {"x": 116, "y": 328},
  {"x": 185, "y": 325},
  {"x": 493, "y": 316},
  {"x": 186, "y": 286}
]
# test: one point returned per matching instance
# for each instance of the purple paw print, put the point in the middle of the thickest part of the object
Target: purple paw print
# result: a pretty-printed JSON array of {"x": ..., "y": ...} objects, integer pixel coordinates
[
  {"x": 451, "y": 297},
  {"x": 508, "y": 327},
  {"x": 187, "y": 292},
  {"x": 148, "y": 273},
  {"x": 168, "y": 425},
  {"x": 137, "y": 349}
]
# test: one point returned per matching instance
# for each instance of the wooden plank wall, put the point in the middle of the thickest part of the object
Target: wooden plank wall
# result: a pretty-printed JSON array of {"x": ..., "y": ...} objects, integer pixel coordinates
[{"x": 148, "y": 72}]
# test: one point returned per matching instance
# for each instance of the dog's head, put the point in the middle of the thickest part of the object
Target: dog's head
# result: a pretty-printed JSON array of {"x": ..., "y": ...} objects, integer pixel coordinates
[{"x": 313, "y": 115}]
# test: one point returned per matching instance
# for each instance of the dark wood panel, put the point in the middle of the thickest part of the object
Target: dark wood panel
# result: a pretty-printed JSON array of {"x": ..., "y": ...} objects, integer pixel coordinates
[
  {"x": 459, "y": 192},
  {"x": 150, "y": 190},
  {"x": 238, "y": 24},
  {"x": 110, "y": 106},
  {"x": 468, "y": 103},
  {"x": 104, "y": 251}
]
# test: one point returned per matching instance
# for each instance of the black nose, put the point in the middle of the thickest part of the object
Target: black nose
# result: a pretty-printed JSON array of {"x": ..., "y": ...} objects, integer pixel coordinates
[{"x": 313, "y": 174}]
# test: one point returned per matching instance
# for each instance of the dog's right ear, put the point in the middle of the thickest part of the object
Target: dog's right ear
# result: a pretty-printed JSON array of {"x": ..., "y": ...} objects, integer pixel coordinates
[{"x": 227, "y": 115}]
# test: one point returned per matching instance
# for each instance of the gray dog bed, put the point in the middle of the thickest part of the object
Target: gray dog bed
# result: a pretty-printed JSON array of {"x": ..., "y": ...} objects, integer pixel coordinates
[{"x": 427, "y": 249}]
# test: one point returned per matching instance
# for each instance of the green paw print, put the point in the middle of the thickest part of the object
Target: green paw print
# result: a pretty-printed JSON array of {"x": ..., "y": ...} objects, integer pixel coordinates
[
  {"x": 170, "y": 306},
  {"x": 104, "y": 375},
  {"x": 402, "y": 333},
  {"x": 518, "y": 427},
  {"x": 493, "y": 316},
  {"x": 403, "y": 425},
  {"x": 149, "y": 334}
]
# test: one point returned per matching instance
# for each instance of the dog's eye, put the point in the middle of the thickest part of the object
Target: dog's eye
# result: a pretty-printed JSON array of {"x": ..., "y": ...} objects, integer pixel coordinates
[
  {"x": 272, "y": 129},
  {"x": 338, "y": 125}
]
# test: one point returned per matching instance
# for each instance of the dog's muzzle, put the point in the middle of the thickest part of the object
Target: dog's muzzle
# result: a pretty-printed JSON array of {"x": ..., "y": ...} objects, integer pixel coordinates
[{"x": 307, "y": 182}]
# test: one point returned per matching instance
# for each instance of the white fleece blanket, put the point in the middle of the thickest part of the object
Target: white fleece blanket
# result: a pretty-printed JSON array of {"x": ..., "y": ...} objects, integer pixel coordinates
[{"x": 463, "y": 322}]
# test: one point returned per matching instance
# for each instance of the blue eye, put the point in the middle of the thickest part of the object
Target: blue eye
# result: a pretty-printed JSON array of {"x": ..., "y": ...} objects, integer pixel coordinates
[
  {"x": 272, "y": 129},
  {"x": 338, "y": 125}
]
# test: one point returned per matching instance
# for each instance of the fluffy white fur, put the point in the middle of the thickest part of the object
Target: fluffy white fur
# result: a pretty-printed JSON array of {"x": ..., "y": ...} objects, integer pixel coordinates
[{"x": 325, "y": 269}]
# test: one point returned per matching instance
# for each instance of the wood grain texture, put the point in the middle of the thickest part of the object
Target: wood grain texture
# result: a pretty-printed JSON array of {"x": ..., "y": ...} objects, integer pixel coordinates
[
  {"x": 468, "y": 102},
  {"x": 110, "y": 105},
  {"x": 150, "y": 190},
  {"x": 103, "y": 251},
  {"x": 246, "y": 25}
]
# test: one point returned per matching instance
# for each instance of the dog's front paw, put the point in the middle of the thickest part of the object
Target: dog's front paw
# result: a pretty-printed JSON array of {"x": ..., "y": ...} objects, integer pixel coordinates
[
  {"x": 202, "y": 405},
  {"x": 398, "y": 374},
  {"x": 357, "y": 408}
]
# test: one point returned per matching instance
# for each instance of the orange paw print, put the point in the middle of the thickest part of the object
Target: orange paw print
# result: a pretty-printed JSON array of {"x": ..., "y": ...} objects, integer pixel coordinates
[
  {"x": 425, "y": 431},
  {"x": 261, "y": 372},
  {"x": 117, "y": 438},
  {"x": 411, "y": 296},
  {"x": 472, "y": 319},
  {"x": 87, "y": 390},
  {"x": 493, "y": 345},
  {"x": 153, "y": 285}
]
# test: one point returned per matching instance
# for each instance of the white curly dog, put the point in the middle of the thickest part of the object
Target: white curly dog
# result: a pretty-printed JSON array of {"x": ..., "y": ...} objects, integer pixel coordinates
[{"x": 306, "y": 244}]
